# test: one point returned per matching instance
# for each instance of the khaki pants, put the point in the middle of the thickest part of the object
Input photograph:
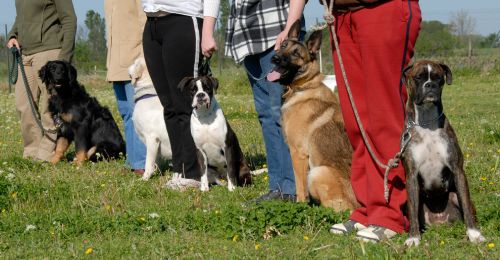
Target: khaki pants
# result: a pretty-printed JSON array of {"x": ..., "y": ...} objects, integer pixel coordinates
[{"x": 36, "y": 145}]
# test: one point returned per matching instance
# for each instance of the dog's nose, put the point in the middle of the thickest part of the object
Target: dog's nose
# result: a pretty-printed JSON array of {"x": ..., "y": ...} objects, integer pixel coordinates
[
  {"x": 200, "y": 95},
  {"x": 431, "y": 85}
]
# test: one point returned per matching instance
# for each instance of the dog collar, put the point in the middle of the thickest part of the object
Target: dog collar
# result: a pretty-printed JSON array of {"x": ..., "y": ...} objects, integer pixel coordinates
[{"x": 145, "y": 97}]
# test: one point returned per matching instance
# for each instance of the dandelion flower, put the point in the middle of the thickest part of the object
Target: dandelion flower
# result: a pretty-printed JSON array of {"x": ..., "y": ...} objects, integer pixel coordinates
[
  {"x": 235, "y": 238},
  {"x": 306, "y": 238},
  {"x": 491, "y": 245},
  {"x": 442, "y": 242},
  {"x": 143, "y": 219},
  {"x": 257, "y": 246},
  {"x": 89, "y": 251},
  {"x": 483, "y": 178}
]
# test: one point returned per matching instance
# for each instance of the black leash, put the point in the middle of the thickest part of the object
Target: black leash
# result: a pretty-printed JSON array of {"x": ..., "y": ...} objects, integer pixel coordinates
[
  {"x": 17, "y": 62},
  {"x": 204, "y": 69}
]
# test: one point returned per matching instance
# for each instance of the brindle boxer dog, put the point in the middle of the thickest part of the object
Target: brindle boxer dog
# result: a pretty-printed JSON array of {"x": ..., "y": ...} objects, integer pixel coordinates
[
  {"x": 436, "y": 184},
  {"x": 313, "y": 125}
]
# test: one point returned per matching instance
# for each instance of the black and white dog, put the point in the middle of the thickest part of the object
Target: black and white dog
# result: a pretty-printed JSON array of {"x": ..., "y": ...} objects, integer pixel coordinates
[
  {"x": 436, "y": 183},
  {"x": 148, "y": 117},
  {"x": 219, "y": 152}
]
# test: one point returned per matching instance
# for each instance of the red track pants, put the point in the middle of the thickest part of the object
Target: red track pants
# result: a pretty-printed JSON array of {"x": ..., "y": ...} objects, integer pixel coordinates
[{"x": 375, "y": 44}]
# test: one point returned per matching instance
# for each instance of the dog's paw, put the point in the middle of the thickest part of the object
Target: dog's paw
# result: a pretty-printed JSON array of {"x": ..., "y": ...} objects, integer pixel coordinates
[
  {"x": 230, "y": 186},
  {"x": 204, "y": 186},
  {"x": 412, "y": 241},
  {"x": 475, "y": 236}
]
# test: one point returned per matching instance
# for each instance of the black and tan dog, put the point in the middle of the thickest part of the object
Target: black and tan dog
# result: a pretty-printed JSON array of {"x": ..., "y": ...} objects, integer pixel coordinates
[
  {"x": 84, "y": 120},
  {"x": 436, "y": 183},
  {"x": 313, "y": 125}
]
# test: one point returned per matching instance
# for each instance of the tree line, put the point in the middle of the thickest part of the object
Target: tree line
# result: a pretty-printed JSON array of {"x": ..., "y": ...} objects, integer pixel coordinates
[{"x": 435, "y": 39}]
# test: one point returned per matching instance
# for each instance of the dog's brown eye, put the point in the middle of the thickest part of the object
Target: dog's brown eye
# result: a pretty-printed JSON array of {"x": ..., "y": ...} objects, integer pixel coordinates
[
  {"x": 284, "y": 44},
  {"x": 296, "y": 53}
]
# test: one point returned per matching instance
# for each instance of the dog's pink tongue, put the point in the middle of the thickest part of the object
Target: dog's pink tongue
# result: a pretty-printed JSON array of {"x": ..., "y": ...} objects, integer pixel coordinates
[{"x": 273, "y": 75}]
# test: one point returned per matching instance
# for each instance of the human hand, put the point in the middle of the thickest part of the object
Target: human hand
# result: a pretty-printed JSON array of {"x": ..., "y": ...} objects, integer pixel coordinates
[
  {"x": 13, "y": 42},
  {"x": 208, "y": 46},
  {"x": 281, "y": 37}
]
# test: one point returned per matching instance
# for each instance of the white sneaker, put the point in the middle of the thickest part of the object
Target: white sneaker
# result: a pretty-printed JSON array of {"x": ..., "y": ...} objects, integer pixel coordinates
[
  {"x": 181, "y": 184},
  {"x": 375, "y": 234},
  {"x": 346, "y": 227}
]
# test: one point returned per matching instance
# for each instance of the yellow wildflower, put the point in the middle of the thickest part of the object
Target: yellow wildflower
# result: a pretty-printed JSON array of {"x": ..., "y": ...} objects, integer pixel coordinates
[
  {"x": 306, "y": 238},
  {"x": 257, "y": 246},
  {"x": 441, "y": 243},
  {"x": 89, "y": 251},
  {"x": 491, "y": 245},
  {"x": 483, "y": 178},
  {"x": 235, "y": 238}
]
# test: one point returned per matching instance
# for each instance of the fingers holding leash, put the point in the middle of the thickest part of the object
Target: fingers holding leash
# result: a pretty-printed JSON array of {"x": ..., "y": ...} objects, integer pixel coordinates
[{"x": 13, "y": 42}]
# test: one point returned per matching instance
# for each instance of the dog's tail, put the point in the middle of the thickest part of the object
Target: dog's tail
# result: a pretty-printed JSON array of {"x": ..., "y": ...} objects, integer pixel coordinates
[
  {"x": 91, "y": 151},
  {"x": 105, "y": 150}
]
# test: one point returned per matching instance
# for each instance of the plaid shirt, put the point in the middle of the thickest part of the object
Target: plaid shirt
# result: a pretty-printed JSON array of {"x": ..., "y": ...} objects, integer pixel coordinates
[{"x": 253, "y": 26}]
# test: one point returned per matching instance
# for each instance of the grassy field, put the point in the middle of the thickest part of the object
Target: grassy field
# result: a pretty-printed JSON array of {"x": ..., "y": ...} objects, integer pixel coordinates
[{"x": 102, "y": 210}]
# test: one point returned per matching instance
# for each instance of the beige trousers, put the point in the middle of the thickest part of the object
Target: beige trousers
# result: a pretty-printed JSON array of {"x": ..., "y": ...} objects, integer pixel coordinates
[{"x": 36, "y": 145}]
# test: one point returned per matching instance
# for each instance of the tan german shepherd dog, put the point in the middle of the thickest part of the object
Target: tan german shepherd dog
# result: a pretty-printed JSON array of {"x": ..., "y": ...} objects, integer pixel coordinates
[{"x": 313, "y": 125}]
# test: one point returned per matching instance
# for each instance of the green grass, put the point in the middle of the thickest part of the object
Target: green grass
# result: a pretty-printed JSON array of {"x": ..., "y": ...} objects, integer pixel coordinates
[{"x": 63, "y": 211}]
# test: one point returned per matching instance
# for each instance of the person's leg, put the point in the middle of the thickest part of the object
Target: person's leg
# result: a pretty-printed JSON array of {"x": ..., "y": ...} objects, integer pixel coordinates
[
  {"x": 267, "y": 98},
  {"x": 47, "y": 143},
  {"x": 375, "y": 77},
  {"x": 352, "y": 63},
  {"x": 135, "y": 149},
  {"x": 381, "y": 34},
  {"x": 36, "y": 145},
  {"x": 172, "y": 52},
  {"x": 30, "y": 131}
]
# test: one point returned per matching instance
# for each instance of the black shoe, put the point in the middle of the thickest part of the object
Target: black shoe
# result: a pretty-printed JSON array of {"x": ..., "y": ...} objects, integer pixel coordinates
[{"x": 273, "y": 195}]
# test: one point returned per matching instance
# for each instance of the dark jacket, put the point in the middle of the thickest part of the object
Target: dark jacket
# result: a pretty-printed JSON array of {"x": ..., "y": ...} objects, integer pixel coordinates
[{"x": 43, "y": 25}]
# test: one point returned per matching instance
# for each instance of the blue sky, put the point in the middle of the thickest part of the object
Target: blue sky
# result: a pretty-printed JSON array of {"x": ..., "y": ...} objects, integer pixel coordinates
[{"x": 485, "y": 12}]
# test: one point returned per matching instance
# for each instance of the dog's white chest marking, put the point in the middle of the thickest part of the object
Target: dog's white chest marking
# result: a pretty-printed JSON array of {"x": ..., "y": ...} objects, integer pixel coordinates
[
  {"x": 430, "y": 155},
  {"x": 209, "y": 132}
]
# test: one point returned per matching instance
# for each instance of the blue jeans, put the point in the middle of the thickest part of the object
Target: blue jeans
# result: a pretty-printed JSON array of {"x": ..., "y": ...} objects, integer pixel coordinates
[
  {"x": 136, "y": 151},
  {"x": 267, "y": 99}
]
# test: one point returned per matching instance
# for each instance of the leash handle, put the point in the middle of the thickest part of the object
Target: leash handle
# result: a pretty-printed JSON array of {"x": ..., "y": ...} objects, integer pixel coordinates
[
  {"x": 204, "y": 69},
  {"x": 12, "y": 67}
]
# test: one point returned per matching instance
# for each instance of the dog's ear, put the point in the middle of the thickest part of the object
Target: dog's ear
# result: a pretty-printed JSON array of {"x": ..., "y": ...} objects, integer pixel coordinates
[
  {"x": 44, "y": 74},
  {"x": 214, "y": 82},
  {"x": 294, "y": 32},
  {"x": 135, "y": 70},
  {"x": 447, "y": 73},
  {"x": 72, "y": 74},
  {"x": 185, "y": 84},
  {"x": 404, "y": 75},
  {"x": 314, "y": 41}
]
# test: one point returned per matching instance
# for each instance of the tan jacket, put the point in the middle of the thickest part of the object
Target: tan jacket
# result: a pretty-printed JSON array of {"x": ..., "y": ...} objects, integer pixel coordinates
[{"x": 125, "y": 21}]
